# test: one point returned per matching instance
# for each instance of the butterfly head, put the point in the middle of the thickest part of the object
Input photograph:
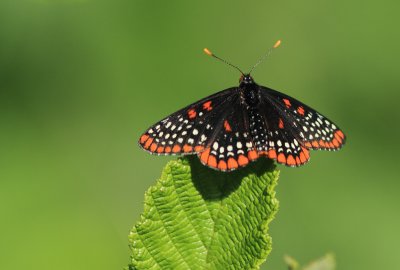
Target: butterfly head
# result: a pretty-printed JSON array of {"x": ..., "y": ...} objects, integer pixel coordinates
[{"x": 246, "y": 79}]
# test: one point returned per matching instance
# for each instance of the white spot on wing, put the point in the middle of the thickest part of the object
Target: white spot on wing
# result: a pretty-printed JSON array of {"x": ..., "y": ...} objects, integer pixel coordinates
[
  {"x": 271, "y": 143},
  {"x": 215, "y": 146}
]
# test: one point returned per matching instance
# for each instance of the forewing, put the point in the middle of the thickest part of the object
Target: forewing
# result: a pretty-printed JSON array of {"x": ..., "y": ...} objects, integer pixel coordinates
[
  {"x": 188, "y": 130},
  {"x": 299, "y": 127}
]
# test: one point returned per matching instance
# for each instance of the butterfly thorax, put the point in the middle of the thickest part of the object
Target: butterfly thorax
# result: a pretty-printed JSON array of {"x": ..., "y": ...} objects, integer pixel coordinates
[{"x": 250, "y": 91}]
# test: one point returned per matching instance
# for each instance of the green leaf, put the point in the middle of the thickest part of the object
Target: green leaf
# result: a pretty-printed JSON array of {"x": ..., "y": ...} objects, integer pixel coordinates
[{"x": 198, "y": 218}]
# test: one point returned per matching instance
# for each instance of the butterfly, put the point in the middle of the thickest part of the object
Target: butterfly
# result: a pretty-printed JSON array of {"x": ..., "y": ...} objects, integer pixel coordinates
[{"x": 231, "y": 128}]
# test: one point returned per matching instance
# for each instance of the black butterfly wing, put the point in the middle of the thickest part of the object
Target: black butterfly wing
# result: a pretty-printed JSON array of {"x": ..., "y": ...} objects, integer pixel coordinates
[
  {"x": 231, "y": 145},
  {"x": 227, "y": 133},
  {"x": 294, "y": 127},
  {"x": 188, "y": 130}
]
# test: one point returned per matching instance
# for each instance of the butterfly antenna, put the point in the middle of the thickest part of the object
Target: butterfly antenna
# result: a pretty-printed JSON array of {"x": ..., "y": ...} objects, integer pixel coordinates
[
  {"x": 276, "y": 45},
  {"x": 208, "y": 52}
]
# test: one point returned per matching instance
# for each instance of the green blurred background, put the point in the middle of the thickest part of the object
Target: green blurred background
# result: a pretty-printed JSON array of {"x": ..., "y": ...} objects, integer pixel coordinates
[{"x": 81, "y": 80}]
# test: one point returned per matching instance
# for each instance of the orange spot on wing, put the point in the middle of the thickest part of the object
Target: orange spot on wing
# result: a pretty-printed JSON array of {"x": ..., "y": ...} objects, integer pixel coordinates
[
  {"x": 144, "y": 138},
  {"x": 232, "y": 163},
  {"x": 148, "y": 143},
  {"x": 198, "y": 148},
  {"x": 331, "y": 145},
  {"x": 242, "y": 160},
  {"x": 204, "y": 155},
  {"x": 153, "y": 147},
  {"x": 306, "y": 152},
  {"x": 308, "y": 144},
  {"x": 327, "y": 145},
  {"x": 335, "y": 143},
  {"x": 192, "y": 113},
  {"x": 315, "y": 144},
  {"x": 252, "y": 155},
  {"x": 160, "y": 149},
  {"x": 212, "y": 161},
  {"x": 322, "y": 143},
  {"x": 207, "y": 106},
  {"x": 287, "y": 103},
  {"x": 281, "y": 158},
  {"x": 340, "y": 133},
  {"x": 290, "y": 160},
  {"x": 227, "y": 126},
  {"x": 337, "y": 137},
  {"x": 272, "y": 154},
  {"x": 187, "y": 148},
  {"x": 281, "y": 126},
  {"x": 222, "y": 165},
  {"x": 303, "y": 158},
  {"x": 176, "y": 149},
  {"x": 168, "y": 149},
  {"x": 298, "y": 162},
  {"x": 300, "y": 110}
]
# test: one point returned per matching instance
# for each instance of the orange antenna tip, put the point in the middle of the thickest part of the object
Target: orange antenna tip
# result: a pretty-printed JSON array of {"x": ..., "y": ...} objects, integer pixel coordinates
[
  {"x": 207, "y": 51},
  {"x": 276, "y": 45}
]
